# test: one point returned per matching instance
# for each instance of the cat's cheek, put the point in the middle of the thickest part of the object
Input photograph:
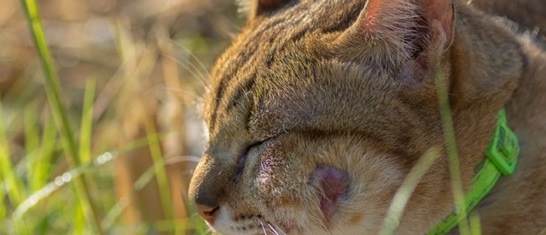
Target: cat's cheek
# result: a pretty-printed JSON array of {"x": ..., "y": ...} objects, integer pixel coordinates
[
  {"x": 267, "y": 179},
  {"x": 276, "y": 178}
]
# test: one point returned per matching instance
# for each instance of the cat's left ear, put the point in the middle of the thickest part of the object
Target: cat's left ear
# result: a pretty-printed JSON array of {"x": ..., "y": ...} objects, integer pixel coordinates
[{"x": 394, "y": 31}]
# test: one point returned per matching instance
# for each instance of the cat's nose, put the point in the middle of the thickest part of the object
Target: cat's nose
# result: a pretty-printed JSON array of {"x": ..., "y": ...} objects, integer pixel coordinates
[
  {"x": 207, "y": 200},
  {"x": 207, "y": 212},
  {"x": 208, "y": 188}
]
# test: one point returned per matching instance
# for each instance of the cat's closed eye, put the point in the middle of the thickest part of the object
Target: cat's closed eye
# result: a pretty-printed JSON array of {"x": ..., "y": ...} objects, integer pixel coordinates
[{"x": 241, "y": 162}]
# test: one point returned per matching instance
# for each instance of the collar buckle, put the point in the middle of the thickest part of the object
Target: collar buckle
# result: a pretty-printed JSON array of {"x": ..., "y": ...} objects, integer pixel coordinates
[{"x": 504, "y": 148}]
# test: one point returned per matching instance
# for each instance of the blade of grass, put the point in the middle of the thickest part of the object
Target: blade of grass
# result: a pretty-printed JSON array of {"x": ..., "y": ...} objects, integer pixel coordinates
[
  {"x": 12, "y": 183},
  {"x": 86, "y": 127},
  {"x": 402, "y": 196},
  {"x": 475, "y": 224},
  {"x": 59, "y": 181},
  {"x": 32, "y": 140},
  {"x": 59, "y": 113},
  {"x": 7, "y": 173},
  {"x": 117, "y": 209},
  {"x": 38, "y": 195},
  {"x": 86, "y": 135},
  {"x": 40, "y": 172},
  {"x": 160, "y": 172},
  {"x": 453, "y": 158},
  {"x": 32, "y": 136},
  {"x": 78, "y": 227},
  {"x": 3, "y": 209},
  {"x": 143, "y": 180}
]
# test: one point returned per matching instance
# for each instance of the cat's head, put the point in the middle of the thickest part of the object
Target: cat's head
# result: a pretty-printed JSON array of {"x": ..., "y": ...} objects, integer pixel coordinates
[{"x": 319, "y": 109}]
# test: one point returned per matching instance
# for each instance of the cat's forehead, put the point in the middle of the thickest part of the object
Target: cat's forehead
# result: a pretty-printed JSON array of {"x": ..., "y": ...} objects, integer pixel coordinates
[
  {"x": 247, "y": 7},
  {"x": 275, "y": 57},
  {"x": 265, "y": 38}
]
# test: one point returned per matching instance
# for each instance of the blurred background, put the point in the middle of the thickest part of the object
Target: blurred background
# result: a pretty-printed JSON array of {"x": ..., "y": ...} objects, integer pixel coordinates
[{"x": 131, "y": 75}]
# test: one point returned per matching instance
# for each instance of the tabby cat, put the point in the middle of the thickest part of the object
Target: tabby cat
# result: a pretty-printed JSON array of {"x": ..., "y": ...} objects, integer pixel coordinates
[{"x": 319, "y": 109}]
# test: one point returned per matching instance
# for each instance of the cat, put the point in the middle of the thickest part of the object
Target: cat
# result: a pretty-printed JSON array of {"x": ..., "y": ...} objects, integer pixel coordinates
[
  {"x": 319, "y": 109},
  {"x": 529, "y": 14}
]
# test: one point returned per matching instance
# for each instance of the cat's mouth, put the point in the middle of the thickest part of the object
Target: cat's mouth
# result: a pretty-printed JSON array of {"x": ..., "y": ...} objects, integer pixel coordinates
[{"x": 333, "y": 187}]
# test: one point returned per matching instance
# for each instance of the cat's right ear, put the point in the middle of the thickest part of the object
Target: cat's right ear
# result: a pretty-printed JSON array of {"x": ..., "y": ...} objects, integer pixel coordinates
[{"x": 395, "y": 31}]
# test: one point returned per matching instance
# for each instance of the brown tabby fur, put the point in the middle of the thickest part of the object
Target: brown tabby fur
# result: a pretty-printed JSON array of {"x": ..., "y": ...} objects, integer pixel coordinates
[{"x": 350, "y": 85}]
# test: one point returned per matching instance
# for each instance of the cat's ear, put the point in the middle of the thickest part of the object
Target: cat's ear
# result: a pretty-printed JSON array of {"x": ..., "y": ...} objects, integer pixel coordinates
[{"x": 395, "y": 31}]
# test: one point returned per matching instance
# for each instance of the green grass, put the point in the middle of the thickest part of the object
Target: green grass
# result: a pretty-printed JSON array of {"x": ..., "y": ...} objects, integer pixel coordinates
[
  {"x": 53, "y": 90},
  {"x": 453, "y": 158},
  {"x": 402, "y": 196},
  {"x": 57, "y": 183}
]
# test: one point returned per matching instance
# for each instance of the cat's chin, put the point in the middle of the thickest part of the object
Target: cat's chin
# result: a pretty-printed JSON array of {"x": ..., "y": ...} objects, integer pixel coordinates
[{"x": 226, "y": 224}]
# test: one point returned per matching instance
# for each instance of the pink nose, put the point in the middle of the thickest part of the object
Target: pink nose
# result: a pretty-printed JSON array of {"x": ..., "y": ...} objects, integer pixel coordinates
[{"x": 208, "y": 213}]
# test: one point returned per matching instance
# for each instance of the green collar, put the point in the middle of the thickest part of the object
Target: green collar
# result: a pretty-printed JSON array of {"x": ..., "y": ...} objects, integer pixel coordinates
[{"x": 502, "y": 156}]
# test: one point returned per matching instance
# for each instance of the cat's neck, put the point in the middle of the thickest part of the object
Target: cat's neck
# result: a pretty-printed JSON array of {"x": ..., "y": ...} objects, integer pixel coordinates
[
  {"x": 527, "y": 108},
  {"x": 527, "y": 117}
]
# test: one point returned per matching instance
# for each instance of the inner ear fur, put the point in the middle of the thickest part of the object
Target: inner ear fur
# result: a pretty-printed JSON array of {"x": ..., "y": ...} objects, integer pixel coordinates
[{"x": 395, "y": 31}]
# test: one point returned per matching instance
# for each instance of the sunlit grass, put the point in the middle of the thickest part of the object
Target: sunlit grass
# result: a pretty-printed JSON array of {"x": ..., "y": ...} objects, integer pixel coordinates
[
  {"x": 57, "y": 183},
  {"x": 53, "y": 90},
  {"x": 402, "y": 196},
  {"x": 161, "y": 174},
  {"x": 10, "y": 181},
  {"x": 453, "y": 159}
]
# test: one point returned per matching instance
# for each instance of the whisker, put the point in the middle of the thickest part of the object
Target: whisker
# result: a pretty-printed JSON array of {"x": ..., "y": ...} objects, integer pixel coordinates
[
  {"x": 192, "y": 94},
  {"x": 203, "y": 67},
  {"x": 263, "y": 227},
  {"x": 181, "y": 159},
  {"x": 280, "y": 230},
  {"x": 191, "y": 68},
  {"x": 210, "y": 231},
  {"x": 186, "y": 64},
  {"x": 272, "y": 228},
  {"x": 192, "y": 55}
]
